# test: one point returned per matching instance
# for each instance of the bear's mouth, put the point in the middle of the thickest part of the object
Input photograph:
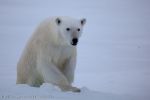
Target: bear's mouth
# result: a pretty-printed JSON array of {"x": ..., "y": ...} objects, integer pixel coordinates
[{"x": 74, "y": 41}]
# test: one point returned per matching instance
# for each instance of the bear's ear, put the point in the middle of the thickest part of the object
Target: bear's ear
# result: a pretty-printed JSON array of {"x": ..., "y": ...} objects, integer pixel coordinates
[
  {"x": 83, "y": 21},
  {"x": 58, "y": 21}
]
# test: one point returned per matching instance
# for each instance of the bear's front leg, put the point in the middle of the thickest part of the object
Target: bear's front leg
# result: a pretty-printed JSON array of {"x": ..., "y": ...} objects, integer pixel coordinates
[
  {"x": 69, "y": 70},
  {"x": 51, "y": 74}
]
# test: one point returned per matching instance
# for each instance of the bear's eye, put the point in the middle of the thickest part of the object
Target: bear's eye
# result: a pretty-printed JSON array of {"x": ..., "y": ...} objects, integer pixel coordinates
[
  {"x": 78, "y": 29},
  {"x": 68, "y": 29}
]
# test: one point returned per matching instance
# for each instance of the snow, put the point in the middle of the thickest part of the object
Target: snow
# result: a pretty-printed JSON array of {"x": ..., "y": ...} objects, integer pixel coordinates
[
  {"x": 47, "y": 91},
  {"x": 113, "y": 52}
]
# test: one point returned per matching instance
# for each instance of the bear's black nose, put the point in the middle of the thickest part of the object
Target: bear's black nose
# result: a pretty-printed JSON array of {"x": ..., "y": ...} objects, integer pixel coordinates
[{"x": 74, "y": 41}]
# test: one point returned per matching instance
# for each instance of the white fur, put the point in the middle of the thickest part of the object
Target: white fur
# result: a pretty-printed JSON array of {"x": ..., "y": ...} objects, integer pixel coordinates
[{"x": 49, "y": 56}]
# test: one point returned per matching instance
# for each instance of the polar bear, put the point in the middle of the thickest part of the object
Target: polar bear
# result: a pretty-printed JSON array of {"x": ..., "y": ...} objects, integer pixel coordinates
[{"x": 50, "y": 54}]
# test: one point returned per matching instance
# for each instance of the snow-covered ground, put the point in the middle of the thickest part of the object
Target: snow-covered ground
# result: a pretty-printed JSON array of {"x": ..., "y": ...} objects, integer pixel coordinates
[{"x": 113, "y": 53}]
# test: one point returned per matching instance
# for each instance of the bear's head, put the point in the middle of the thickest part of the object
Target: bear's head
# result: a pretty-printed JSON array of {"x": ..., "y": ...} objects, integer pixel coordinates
[{"x": 70, "y": 29}]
